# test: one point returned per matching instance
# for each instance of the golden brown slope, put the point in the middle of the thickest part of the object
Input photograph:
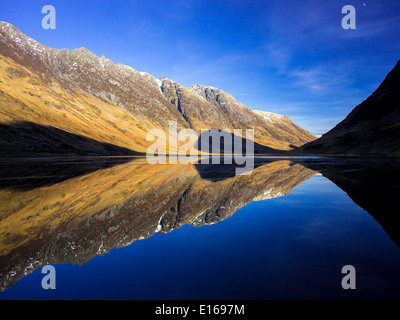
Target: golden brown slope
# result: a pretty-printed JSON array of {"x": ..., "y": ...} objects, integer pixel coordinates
[{"x": 82, "y": 94}]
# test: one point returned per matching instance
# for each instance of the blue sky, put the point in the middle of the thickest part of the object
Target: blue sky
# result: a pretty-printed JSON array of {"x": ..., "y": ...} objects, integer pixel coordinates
[{"x": 289, "y": 57}]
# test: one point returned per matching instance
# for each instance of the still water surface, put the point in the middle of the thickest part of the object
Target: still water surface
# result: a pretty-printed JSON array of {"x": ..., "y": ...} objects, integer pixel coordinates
[{"x": 123, "y": 229}]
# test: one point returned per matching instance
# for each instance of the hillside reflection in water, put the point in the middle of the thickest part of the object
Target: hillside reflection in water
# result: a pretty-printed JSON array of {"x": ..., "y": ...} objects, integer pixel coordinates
[{"x": 73, "y": 211}]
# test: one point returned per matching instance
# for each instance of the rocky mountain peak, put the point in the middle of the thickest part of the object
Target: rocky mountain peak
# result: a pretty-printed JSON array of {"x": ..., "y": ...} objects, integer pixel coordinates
[
  {"x": 12, "y": 35},
  {"x": 111, "y": 94},
  {"x": 270, "y": 116}
]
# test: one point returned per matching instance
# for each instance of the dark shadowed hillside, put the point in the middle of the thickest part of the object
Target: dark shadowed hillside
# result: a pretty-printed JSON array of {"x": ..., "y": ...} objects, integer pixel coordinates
[{"x": 372, "y": 128}]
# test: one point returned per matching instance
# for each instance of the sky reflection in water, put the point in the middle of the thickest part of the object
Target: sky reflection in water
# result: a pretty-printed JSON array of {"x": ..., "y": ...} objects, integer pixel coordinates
[{"x": 286, "y": 247}]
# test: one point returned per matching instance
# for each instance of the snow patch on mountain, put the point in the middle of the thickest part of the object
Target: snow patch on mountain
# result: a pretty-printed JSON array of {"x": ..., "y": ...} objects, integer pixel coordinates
[{"x": 270, "y": 116}]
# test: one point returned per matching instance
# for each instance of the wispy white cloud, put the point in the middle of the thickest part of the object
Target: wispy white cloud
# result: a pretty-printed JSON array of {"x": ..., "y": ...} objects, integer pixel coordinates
[
  {"x": 322, "y": 79},
  {"x": 198, "y": 68},
  {"x": 313, "y": 79},
  {"x": 300, "y": 63}
]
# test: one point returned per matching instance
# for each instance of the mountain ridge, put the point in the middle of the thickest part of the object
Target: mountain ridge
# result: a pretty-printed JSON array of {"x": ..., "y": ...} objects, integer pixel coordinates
[{"x": 83, "y": 94}]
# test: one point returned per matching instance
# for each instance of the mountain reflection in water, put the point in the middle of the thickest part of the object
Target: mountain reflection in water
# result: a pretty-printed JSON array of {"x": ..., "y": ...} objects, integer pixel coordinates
[{"x": 56, "y": 213}]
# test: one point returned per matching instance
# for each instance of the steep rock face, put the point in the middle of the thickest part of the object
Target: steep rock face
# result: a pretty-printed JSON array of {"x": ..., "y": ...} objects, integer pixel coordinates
[
  {"x": 199, "y": 113},
  {"x": 82, "y": 94},
  {"x": 211, "y": 108},
  {"x": 371, "y": 128},
  {"x": 281, "y": 127},
  {"x": 227, "y": 104},
  {"x": 280, "y": 132}
]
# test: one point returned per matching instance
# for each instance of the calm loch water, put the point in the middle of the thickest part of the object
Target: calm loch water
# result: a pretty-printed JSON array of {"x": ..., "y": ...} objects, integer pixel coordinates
[{"x": 118, "y": 228}]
